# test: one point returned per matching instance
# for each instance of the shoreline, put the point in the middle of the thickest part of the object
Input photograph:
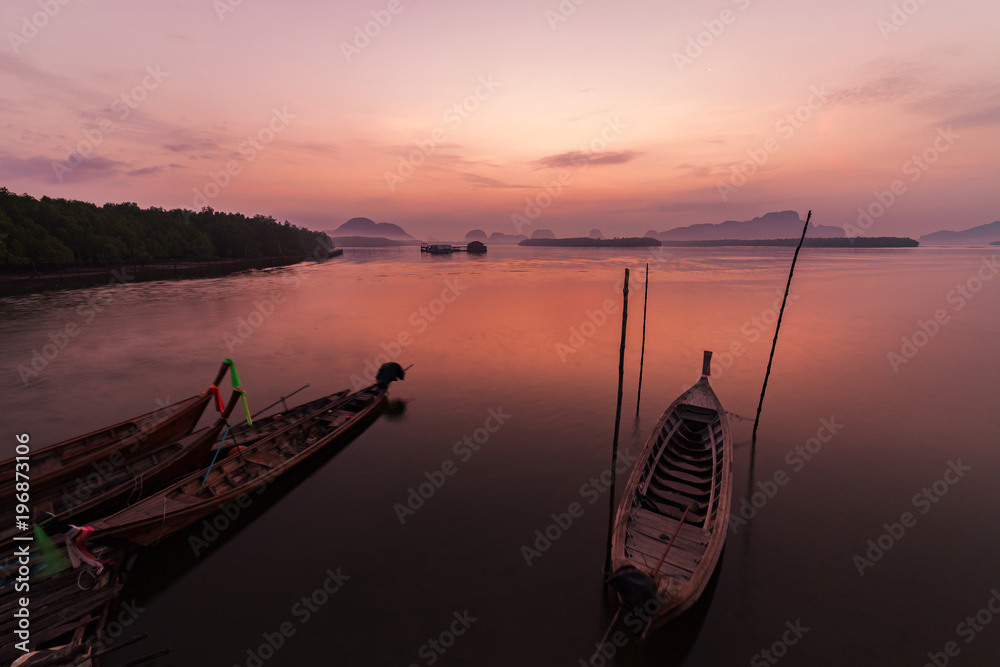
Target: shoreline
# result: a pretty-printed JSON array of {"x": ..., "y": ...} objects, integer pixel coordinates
[{"x": 18, "y": 280}]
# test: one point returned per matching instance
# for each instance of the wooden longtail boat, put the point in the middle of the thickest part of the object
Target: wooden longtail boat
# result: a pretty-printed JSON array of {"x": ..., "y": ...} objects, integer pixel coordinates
[
  {"x": 243, "y": 471},
  {"x": 67, "y": 604},
  {"x": 124, "y": 478},
  {"x": 245, "y": 434},
  {"x": 674, "y": 513},
  {"x": 61, "y": 462}
]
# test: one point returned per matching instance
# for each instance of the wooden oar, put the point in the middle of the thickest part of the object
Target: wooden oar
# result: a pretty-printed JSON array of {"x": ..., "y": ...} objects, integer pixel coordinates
[
  {"x": 280, "y": 400},
  {"x": 671, "y": 542},
  {"x": 660, "y": 564}
]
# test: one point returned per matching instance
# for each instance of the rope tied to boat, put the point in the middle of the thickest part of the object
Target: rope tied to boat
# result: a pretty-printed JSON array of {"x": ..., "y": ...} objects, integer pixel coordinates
[
  {"x": 217, "y": 450},
  {"x": 733, "y": 415},
  {"x": 136, "y": 487}
]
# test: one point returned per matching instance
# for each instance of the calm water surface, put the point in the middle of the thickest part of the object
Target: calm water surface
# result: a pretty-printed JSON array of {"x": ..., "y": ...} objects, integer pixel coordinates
[{"x": 524, "y": 333}]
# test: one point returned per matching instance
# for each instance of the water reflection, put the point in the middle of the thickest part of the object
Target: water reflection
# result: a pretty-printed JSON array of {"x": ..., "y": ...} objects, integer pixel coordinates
[{"x": 495, "y": 346}]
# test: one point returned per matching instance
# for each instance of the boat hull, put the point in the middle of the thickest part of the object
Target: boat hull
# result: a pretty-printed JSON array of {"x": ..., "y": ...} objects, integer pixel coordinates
[
  {"x": 145, "y": 524},
  {"x": 679, "y": 494}
]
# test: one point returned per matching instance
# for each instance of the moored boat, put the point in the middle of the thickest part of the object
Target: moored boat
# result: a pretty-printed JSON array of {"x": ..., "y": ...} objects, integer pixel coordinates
[
  {"x": 673, "y": 516},
  {"x": 245, "y": 434},
  {"x": 59, "y": 463},
  {"x": 124, "y": 477},
  {"x": 62, "y": 609},
  {"x": 244, "y": 470}
]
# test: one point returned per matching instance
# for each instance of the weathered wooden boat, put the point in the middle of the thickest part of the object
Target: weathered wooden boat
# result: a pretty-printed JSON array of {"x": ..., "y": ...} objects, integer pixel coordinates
[
  {"x": 62, "y": 608},
  {"x": 125, "y": 478},
  {"x": 245, "y": 434},
  {"x": 674, "y": 513},
  {"x": 244, "y": 470},
  {"x": 61, "y": 462}
]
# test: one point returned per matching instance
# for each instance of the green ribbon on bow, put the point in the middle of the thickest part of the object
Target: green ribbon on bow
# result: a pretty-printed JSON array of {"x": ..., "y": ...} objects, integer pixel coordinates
[{"x": 236, "y": 384}]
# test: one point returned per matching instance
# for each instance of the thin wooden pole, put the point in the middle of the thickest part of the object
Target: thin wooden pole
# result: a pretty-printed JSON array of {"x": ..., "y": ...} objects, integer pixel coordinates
[
  {"x": 777, "y": 327},
  {"x": 642, "y": 355},
  {"x": 618, "y": 421},
  {"x": 671, "y": 542}
]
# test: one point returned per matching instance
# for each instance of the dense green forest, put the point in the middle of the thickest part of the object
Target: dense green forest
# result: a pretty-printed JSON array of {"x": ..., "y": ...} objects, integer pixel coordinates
[{"x": 61, "y": 230}]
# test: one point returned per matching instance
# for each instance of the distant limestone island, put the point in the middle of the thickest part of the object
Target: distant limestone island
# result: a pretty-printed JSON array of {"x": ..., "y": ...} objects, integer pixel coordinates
[
  {"x": 855, "y": 242},
  {"x": 775, "y": 229},
  {"x": 366, "y": 233},
  {"x": 988, "y": 234},
  {"x": 778, "y": 229},
  {"x": 777, "y": 225}
]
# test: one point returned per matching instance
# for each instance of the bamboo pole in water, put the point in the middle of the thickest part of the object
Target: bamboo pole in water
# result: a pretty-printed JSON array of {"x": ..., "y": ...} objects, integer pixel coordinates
[
  {"x": 642, "y": 355},
  {"x": 777, "y": 327},
  {"x": 618, "y": 421}
]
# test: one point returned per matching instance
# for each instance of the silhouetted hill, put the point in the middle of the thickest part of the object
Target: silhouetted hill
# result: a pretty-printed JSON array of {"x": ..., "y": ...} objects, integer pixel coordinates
[
  {"x": 981, "y": 235},
  {"x": 369, "y": 228},
  {"x": 777, "y": 225},
  {"x": 542, "y": 234},
  {"x": 823, "y": 242},
  {"x": 475, "y": 235},
  {"x": 372, "y": 242}
]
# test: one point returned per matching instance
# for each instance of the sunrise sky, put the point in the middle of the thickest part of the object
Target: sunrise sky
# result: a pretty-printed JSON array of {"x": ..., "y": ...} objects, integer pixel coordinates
[{"x": 457, "y": 115}]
